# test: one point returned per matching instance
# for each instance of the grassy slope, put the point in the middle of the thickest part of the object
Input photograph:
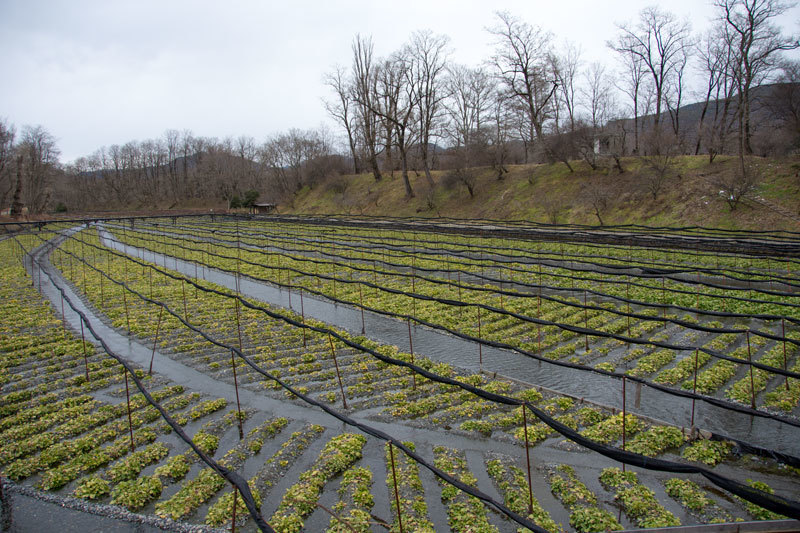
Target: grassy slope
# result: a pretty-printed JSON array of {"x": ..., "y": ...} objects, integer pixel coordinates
[{"x": 531, "y": 192}]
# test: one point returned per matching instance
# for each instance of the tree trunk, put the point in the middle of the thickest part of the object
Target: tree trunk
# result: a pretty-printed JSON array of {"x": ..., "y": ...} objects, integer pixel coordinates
[
  {"x": 16, "y": 203},
  {"x": 406, "y": 182}
]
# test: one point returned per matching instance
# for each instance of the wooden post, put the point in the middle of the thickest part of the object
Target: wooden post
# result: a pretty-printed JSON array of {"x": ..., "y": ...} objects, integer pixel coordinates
[
  {"x": 236, "y": 388},
  {"x": 128, "y": 399},
  {"x": 155, "y": 342},
  {"x": 527, "y": 458},
  {"x": 396, "y": 492},
  {"x": 338, "y": 375}
]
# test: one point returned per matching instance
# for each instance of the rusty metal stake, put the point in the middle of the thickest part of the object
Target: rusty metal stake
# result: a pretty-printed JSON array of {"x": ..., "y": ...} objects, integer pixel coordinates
[
  {"x": 750, "y": 364},
  {"x": 361, "y": 301},
  {"x": 64, "y": 323},
  {"x": 155, "y": 342},
  {"x": 238, "y": 405},
  {"x": 85, "y": 358},
  {"x": 539, "y": 316},
  {"x": 624, "y": 413},
  {"x": 102, "y": 291},
  {"x": 585, "y": 319},
  {"x": 128, "y": 399},
  {"x": 183, "y": 290},
  {"x": 527, "y": 458},
  {"x": 694, "y": 387},
  {"x": 238, "y": 323},
  {"x": 303, "y": 315},
  {"x": 125, "y": 302},
  {"x": 233, "y": 513},
  {"x": 783, "y": 334},
  {"x": 338, "y": 375},
  {"x": 480, "y": 344},
  {"x": 396, "y": 492},
  {"x": 411, "y": 348}
]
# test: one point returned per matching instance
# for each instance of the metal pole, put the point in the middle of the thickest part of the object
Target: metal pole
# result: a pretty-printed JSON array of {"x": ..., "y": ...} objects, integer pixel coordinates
[
  {"x": 527, "y": 458},
  {"x": 396, "y": 492},
  {"x": 233, "y": 514},
  {"x": 183, "y": 290},
  {"x": 238, "y": 405},
  {"x": 128, "y": 399},
  {"x": 303, "y": 315},
  {"x": 85, "y": 358},
  {"x": 64, "y": 324},
  {"x": 694, "y": 388},
  {"x": 783, "y": 334},
  {"x": 155, "y": 342},
  {"x": 750, "y": 364},
  {"x": 585, "y": 319},
  {"x": 361, "y": 301},
  {"x": 480, "y": 344},
  {"x": 411, "y": 348},
  {"x": 338, "y": 375},
  {"x": 624, "y": 414},
  {"x": 125, "y": 301}
]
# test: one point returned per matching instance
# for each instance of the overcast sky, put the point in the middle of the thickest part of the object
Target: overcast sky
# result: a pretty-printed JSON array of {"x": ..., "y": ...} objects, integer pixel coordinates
[{"x": 102, "y": 72}]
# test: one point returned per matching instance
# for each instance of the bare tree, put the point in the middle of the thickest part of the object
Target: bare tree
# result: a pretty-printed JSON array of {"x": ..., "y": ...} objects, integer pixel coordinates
[
  {"x": 784, "y": 106},
  {"x": 397, "y": 89},
  {"x": 598, "y": 195},
  {"x": 469, "y": 103},
  {"x": 186, "y": 151},
  {"x": 597, "y": 95},
  {"x": 502, "y": 123},
  {"x": 632, "y": 85},
  {"x": 757, "y": 42},
  {"x": 673, "y": 95},
  {"x": 341, "y": 109},
  {"x": 428, "y": 54},
  {"x": 565, "y": 69},
  {"x": 659, "y": 41},
  {"x": 521, "y": 60},
  {"x": 364, "y": 87},
  {"x": 7, "y": 134},
  {"x": 714, "y": 53},
  {"x": 661, "y": 149},
  {"x": 39, "y": 155},
  {"x": 734, "y": 186}
]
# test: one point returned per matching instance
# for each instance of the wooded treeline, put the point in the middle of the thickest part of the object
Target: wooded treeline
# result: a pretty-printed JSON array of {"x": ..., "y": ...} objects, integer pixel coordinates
[{"x": 532, "y": 100}]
